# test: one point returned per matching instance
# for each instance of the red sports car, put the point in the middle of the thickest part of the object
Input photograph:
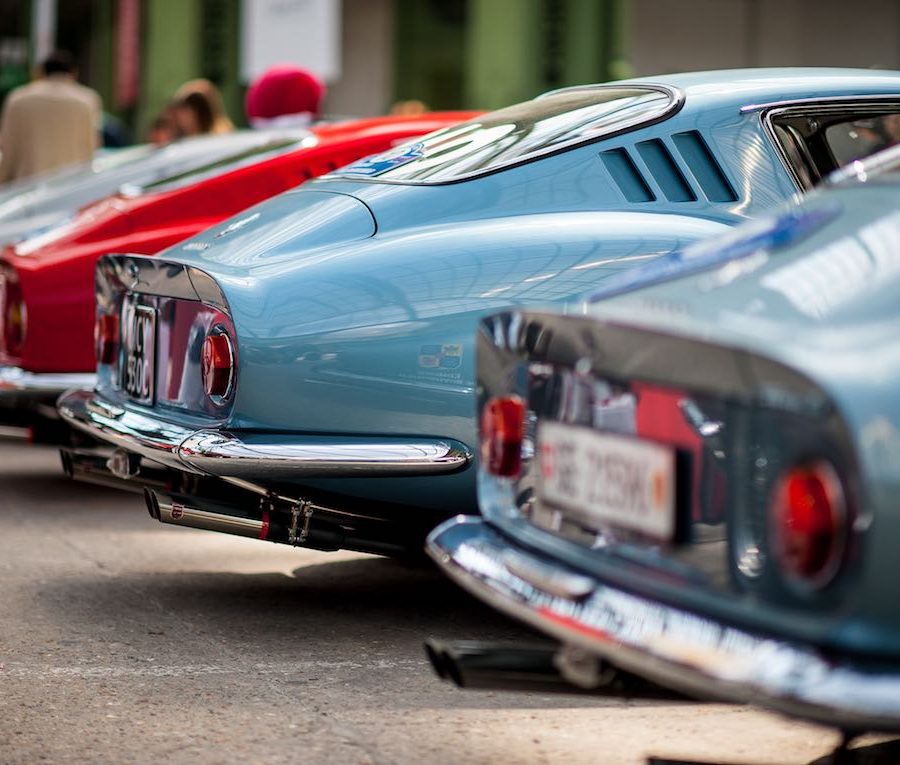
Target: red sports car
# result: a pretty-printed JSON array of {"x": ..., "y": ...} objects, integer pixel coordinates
[{"x": 46, "y": 282}]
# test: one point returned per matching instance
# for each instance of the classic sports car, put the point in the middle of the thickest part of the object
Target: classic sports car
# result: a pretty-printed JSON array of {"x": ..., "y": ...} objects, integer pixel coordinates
[
  {"x": 317, "y": 350},
  {"x": 697, "y": 480},
  {"x": 30, "y": 206},
  {"x": 47, "y": 281}
]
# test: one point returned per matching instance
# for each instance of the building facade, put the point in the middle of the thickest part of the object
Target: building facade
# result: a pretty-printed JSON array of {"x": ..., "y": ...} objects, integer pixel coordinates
[{"x": 445, "y": 53}]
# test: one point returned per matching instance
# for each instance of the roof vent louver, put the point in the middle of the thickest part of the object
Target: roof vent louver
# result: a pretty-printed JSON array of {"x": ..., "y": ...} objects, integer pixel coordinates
[
  {"x": 626, "y": 175},
  {"x": 665, "y": 171},
  {"x": 706, "y": 170}
]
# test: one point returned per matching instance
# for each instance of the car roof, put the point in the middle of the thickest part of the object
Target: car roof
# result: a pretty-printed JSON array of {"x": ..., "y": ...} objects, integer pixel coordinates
[{"x": 764, "y": 86}]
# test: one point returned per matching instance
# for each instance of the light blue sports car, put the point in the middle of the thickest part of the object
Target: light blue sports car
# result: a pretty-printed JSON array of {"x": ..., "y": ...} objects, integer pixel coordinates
[
  {"x": 697, "y": 479},
  {"x": 304, "y": 372}
]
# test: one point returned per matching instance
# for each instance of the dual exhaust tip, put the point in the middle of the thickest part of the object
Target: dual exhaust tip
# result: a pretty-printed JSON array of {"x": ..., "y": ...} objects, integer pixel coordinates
[
  {"x": 497, "y": 666},
  {"x": 538, "y": 668}
]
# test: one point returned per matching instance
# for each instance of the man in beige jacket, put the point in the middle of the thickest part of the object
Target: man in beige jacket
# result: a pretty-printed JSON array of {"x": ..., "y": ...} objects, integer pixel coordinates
[{"x": 49, "y": 123}]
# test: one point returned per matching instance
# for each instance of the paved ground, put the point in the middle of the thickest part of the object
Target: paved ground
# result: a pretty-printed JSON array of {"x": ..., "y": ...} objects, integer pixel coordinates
[{"x": 124, "y": 641}]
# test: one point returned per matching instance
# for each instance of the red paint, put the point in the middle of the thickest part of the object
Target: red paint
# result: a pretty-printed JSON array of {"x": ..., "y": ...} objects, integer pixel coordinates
[
  {"x": 57, "y": 279},
  {"x": 659, "y": 418},
  {"x": 264, "y": 531}
]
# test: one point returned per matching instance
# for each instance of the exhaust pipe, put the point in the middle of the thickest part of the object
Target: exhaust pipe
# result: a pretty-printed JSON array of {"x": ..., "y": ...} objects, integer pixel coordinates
[
  {"x": 93, "y": 466},
  {"x": 228, "y": 520},
  {"x": 539, "y": 668},
  {"x": 273, "y": 519},
  {"x": 494, "y": 666},
  {"x": 295, "y": 522},
  {"x": 15, "y": 433}
]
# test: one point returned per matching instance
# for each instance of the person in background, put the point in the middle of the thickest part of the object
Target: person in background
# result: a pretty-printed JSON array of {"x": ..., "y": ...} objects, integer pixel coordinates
[
  {"x": 284, "y": 96},
  {"x": 193, "y": 115},
  {"x": 409, "y": 108},
  {"x": 163, "y": 129},
  {"x": 114, "y": 132},
  {"x": 49, "y": 123},
  {"x": 214, "y": 103}
]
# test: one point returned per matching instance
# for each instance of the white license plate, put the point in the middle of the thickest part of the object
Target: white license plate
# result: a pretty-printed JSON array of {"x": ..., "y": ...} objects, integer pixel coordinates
[
  {"x": 138, "y": 351},
  {"x": 605, "y": 479}
]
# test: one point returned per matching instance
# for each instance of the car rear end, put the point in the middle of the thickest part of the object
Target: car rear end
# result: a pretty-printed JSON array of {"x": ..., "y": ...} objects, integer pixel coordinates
[
  {"x": 46, "y": 289},
  {"x": 59, "y": 263},
  {"x": 165, "y": 404},
  {"x": 688, "y": 509},
  {"x": 29, "y": 387}
]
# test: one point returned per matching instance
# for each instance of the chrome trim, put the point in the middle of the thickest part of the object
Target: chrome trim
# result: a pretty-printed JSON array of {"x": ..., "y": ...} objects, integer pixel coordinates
[
  {"x": 839, "y": 100},
  {"x": 17, "y": 381},
  {"x": 124, "y": 428},
  {"x": 666, "y": 644},
  {"x": 259, "y": 457},
  {"x": 222, "y": 454}
]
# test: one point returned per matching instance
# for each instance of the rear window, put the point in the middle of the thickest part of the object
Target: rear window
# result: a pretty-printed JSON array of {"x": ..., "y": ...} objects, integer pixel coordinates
[{"x": 520, "y": 133}]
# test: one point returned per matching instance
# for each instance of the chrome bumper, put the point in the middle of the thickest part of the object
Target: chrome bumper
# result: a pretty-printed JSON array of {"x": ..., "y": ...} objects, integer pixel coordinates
[
  {"x": 256, "y": 457},
  {"x": 17, "y": 383},
  {"x": 665, "y": 644}
]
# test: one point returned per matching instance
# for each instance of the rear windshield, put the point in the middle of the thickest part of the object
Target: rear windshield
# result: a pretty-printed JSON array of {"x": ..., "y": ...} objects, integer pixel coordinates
[{"x": 555, "y": 121}]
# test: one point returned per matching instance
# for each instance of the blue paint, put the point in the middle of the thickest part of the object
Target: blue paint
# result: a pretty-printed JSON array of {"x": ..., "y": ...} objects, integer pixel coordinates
[{"x": 347, "y": 292}]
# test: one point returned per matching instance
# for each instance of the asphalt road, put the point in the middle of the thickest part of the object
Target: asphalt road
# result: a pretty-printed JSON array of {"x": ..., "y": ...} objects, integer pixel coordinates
[{"x": 124, "y": 641}]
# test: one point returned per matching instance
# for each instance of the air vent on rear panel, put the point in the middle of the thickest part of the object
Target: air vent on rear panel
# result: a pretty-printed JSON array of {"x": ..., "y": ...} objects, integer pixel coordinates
[
  {"x": 626, "y": 175},
  {"x": 706, "y": 170},
  {"x": 666, "y": 172}
]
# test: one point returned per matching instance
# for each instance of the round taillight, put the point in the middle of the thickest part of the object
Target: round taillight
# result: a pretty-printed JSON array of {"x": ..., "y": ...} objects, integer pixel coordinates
[
  {"x": 808, "y": 523},
  {"x": 502, "y": 433},
  {"x": 13, "y": 314},
  {"x": 217, "y": 365},
  {"x": 106, "y": 338}
]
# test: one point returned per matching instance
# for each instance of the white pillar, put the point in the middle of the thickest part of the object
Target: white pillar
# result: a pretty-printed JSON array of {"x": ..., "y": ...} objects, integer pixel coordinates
[{"x": 43, "y": 30}]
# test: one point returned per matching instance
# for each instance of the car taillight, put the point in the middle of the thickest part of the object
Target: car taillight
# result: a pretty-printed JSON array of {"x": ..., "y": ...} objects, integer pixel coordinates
[
  {"x": 13, "y": 314},
  {"x": 808, "y": 523},
  {"x": 502, "y": 433},
  {"x": 217, "y": 365},
  {"x": 106, "y": 338}
]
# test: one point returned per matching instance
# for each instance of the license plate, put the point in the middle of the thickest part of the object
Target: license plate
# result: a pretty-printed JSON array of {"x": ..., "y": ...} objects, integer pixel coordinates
[
  {"x": 601, "y": 479},
  {"x": 138, "y": 351}
]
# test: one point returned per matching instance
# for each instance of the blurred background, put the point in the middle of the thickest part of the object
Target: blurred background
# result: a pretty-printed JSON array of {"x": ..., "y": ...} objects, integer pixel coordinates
[{"x": 446, "y": 53}]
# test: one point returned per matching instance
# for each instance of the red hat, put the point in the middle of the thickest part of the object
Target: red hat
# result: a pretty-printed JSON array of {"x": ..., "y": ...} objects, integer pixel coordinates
[{"x": 284, "y": 90}]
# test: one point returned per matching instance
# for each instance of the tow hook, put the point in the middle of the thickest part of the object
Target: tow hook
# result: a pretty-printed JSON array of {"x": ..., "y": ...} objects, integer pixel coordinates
[{"x": 123, "y": 464}]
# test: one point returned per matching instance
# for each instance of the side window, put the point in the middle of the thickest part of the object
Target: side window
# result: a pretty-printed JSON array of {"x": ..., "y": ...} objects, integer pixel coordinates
[
  {"x": 859, "y": 138},
  {"x": 817, "y": 140}
]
